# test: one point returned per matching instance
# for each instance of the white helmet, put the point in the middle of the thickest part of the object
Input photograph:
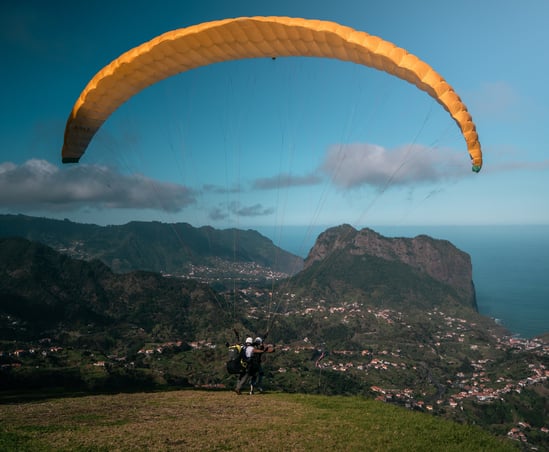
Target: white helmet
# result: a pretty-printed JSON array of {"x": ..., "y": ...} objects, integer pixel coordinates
[
  {"x": 249, "y": 341},
  {"x": 258, "y": 340}
]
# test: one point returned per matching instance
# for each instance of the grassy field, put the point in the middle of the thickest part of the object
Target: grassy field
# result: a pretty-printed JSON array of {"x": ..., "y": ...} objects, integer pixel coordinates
[{"x": 216, "y": 421}]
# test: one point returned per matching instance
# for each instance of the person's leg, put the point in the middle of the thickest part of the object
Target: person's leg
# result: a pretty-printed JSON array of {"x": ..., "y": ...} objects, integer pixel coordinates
[
  {"x": 253, "y": 379},
  {"x": 259, "y": 380},
  {"x": 243, "y": 378}
]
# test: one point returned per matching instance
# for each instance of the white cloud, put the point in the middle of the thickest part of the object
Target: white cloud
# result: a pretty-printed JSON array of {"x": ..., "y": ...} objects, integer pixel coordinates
[
  {"x": 218, "y": 214},
  {"x": 356, "y": 165},
  {"x": 38, "y": 184},
  {"x": 218, "y": 189},
  {"x": 255, "y": 210},
  {"x": 286, "y": 180},
  {"x": 224, "y": 211}
]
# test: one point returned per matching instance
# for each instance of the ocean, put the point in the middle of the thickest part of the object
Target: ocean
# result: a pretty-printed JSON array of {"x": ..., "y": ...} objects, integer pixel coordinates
[{"x": 510, "y": 266}]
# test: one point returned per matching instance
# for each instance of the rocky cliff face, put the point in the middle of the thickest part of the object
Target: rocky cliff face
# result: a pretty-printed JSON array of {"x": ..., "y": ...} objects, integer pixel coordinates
[{"x": 438, "y": 258}]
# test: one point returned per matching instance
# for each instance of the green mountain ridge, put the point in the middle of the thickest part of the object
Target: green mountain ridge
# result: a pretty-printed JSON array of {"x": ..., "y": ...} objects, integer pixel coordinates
[
  {"x": 50, "y": 292},
  {"x": 153, "y": 246},
  {"x": 383, "y": 283}
]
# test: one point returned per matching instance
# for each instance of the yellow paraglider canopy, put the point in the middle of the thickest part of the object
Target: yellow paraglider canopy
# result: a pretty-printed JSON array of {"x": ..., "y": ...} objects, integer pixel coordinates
[{"x": 250, "y": 37}]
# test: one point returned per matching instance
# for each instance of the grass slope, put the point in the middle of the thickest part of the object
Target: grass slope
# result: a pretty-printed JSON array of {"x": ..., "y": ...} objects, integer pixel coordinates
[{"x": 202, "y": 420}]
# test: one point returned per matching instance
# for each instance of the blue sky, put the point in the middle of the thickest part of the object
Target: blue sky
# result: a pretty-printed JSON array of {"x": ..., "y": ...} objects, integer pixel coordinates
[{"x": 259, "y": 143}]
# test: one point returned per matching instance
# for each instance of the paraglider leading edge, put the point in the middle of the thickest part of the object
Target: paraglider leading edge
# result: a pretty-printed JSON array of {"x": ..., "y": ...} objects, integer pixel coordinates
[{"x": 250, "y": 37}]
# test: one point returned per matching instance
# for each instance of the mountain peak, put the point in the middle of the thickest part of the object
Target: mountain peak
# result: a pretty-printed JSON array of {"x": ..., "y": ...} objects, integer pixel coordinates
[{"x": 439, "y": 259}]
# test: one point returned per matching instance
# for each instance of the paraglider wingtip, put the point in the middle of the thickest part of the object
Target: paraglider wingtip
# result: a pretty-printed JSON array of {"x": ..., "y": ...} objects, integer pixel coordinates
[{"x": 476, "y": 168}]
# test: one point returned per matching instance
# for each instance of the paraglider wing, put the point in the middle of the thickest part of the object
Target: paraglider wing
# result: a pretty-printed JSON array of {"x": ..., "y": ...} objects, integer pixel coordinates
[{"x": 250, "y": 37}]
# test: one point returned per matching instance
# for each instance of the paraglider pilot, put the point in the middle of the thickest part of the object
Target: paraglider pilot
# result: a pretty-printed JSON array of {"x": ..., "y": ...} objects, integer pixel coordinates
[{"x": 252, "y": 356}]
